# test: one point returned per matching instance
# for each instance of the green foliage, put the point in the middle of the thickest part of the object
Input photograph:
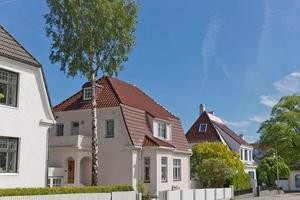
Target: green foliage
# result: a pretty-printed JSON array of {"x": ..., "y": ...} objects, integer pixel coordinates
[
  {"x": 282, "y": 130},
  {"x": 267, "y": 170},
  {"x": 63, "y": 190},
  {"x": 141, "y": 187},
  {"x": 241, "y": 181},
  {"x": 206, "y": 154},
  {"x": 1, "y": 95},
  {"x": 215, "y": 172},
  {"x": 148, "y": 196},
  {"x": 88, "y": 36}
]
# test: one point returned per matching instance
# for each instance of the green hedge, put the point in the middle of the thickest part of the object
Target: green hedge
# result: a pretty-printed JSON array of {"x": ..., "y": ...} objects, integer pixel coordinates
[{"x": 63, "y": 190}]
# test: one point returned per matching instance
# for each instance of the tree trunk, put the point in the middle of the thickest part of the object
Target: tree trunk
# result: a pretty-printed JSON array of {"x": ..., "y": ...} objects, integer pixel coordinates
[{"x": 95, "y": 147}]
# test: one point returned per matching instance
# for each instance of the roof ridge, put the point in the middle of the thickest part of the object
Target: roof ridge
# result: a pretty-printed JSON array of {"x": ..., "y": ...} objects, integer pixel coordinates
[
  {"x": 38, "y": 63},
  {"x": 152, "y": 99}
]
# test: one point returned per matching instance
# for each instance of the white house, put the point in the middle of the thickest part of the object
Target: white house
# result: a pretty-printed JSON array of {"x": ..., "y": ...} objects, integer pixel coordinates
[
  {"x": 209, "y": 127},
  {"x": 25, "y": 116},
  {"x": 139, "y": 140}
]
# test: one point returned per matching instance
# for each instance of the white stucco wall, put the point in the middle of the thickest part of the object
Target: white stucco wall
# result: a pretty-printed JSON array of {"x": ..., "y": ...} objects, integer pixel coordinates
[
  {"x": 23, "y": 122},
  {"x": 115, "y": 154}
]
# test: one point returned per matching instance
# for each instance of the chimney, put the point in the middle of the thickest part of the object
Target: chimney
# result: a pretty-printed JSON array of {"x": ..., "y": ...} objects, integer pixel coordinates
[{"x": 202, "y": 108}]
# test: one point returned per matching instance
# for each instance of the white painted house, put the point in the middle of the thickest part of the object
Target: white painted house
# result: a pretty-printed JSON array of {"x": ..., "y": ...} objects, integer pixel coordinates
[
  {"x": 209, "y": 127},
  {"x": 25, "y": 116},
  {"x": 139, "y": 140}
]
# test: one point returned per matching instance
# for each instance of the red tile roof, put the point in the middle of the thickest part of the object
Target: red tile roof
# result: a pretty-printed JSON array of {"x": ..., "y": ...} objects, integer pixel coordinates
[
  {"x": 215, "y": 129},
  {"x": 135, "y": 106},
  {"x": 153, "y": 141}
]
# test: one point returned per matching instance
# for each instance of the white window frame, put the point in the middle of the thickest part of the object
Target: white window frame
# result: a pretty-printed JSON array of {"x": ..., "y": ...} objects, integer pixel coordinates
[
  {"x": 200, "y": 128},
  {"x": 56, "y": 181},
  {"x": 58, "y": 126},
  {"x": 177, "y": 169},
  {"x": 11, "y": 81},
  {"x": 162, "y": 126},
  {"x": 107, "y": 128},
  {"x": 164, "y": 169},
  {"x": 11, "y": 153},
  {"x": 87, "y": 93},
  {"x": 147, "y": 168},
  {"x": 73, "y": 132}
]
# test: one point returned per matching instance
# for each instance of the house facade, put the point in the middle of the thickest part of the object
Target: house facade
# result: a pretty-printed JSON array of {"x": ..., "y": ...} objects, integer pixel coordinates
[
  {"x": 208, "y": 127},
  {"x": 25, "y": 117},
  {"x": 139, "y": 140}
]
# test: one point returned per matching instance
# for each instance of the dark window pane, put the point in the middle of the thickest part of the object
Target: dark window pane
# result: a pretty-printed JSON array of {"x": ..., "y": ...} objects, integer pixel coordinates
[{"x": 3, "y": 159}]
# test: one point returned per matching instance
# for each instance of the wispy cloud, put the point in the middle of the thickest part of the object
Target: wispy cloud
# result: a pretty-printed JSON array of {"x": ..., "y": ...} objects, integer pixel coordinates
[
  {"x": 288, "y": 85},
  {"x": 6, "y": 2},
  {"x": 267, "y": 100},
  {"x": 209, "y": 45},
  {"x": 238, "y": 124},
  {"x": 258, "y": 119}
]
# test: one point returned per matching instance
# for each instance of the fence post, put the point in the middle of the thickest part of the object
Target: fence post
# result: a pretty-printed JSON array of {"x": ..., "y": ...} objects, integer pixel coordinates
[{"x": 232, "y": 191}]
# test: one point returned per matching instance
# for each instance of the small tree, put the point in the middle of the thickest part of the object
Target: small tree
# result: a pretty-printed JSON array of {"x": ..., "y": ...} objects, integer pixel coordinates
[
  {"x": 267, "y": 170},
  {"x": 89, "y": 37},
  {"x": 215, "y": 172}
]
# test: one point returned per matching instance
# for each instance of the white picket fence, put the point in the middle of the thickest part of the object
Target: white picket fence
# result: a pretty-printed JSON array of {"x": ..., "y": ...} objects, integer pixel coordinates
[
  {"x": 86, "y": 196},
  {"x": 197, "y": 194}
]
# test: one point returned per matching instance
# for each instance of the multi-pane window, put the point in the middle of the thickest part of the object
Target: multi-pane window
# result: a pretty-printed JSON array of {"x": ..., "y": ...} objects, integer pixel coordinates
[
  {"x": 55, "y": 182},
  {"x": 162, "y": 130},
  {"x": 110, "y": 128},
  {"x": 147, "y": 169},
  {"x": 202, "y": 128},
  {"x": 8, "y": 155},
  {"x": 246, "y": 154},
  {"x": 241, "y": 154},
  {"x": 87, "y": 93},
  {"x": 74, "y": 128},
  {"x": 164, "y": 169},
  {"x": 59, "y": 129},
  {"x": 8, "y": 88},
  {"x": 176, "y": 169}
]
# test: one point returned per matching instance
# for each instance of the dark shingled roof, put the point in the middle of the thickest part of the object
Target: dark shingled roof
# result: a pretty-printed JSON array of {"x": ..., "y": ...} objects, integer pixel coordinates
[{"x": 11, "y": 49}]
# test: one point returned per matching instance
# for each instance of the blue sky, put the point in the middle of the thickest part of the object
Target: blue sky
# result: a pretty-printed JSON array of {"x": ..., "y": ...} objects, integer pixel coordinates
[{"x": 236, "y": 57}]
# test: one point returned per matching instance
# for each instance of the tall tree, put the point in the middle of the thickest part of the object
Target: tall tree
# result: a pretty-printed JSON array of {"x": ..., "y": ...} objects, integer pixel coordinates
[
  {"x": 89, "y": 37},
  {"x": 281, "y": 133}
]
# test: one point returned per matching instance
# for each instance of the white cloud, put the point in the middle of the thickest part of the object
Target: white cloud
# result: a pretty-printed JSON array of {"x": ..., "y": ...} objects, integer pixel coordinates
[
  {"x": 239, "y": 124},
  {"x": 258, "y": 119},
  {"x": 267, "y": 100},
  {"x": 288, "y": 85},
  {"x": 6, "y": 2}
]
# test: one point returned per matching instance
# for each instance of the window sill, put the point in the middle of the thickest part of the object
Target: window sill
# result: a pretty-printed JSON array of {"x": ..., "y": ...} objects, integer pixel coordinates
[
  {"x": 9, "y": 107},
  {"x": 177, "y": 180},
  {"x": 8, "y": 174},
  {"x": 146, "y": 181},
  {"x": 164, "y": 182},
  {"x": 109, "y": 136}
]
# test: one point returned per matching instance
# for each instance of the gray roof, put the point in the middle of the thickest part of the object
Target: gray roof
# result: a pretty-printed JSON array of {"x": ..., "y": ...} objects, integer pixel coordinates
[{"x": 11, "y": 49}]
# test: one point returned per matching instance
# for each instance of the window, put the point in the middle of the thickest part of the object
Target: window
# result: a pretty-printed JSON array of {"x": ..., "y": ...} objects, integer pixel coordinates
[
  {"x": 164, "y": 169},
  {"x": 8, "y": 88},
  {"x": 241, "y": 154},
  {"x": 162, "y": 130},
  {"x": 110, "y": 128},
  {"x": 87, "y": 93},
  {"x": 250, "y": 156},
  {"x": 251, "y": 174},
  {"x": 147, "y": 169},
  {"x": 74, "y": 128},
  {"x": 55, "y": 182},
  {"x": 8, "y": 155},
  {"x": 59, "y": 129},
  {"x": 176, "y": 169},
  {"x": 246, "y": 154},
  {"x": 202, "y": 128}
]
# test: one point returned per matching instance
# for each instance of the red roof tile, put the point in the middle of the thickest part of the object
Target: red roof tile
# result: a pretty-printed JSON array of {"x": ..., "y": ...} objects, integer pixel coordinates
[
  {"x": 135, "y": 106},
  {"x": 215, "y": 128},
  {"x": 152, "y": 141}
]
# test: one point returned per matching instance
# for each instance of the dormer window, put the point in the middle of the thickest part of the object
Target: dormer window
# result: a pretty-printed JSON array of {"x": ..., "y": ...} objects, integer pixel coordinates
[
  {"x": 162, "y": 130},
  {"x": 202, "y": 128},
  {"x": 87, "y": 93}
]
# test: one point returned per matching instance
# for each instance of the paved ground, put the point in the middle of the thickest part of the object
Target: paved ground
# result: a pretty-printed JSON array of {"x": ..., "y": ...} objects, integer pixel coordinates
[{"x": 287, "y": 196}]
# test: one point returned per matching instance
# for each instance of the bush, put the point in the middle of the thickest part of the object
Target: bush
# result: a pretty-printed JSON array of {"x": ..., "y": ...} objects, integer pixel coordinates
[
  {"x": 241, "y": 181},
  {"x": 64, "y": 190}
]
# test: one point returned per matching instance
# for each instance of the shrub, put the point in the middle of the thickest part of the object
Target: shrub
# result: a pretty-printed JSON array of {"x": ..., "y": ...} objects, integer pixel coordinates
[
  {"x": 64, "y": 190},
  {"x": 141, "y": 187},
  {"x": 241, "y": 181}
]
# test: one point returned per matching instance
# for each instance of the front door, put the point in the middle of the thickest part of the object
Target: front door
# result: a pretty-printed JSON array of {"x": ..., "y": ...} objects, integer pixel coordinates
[{"x": 71, "y": 170}]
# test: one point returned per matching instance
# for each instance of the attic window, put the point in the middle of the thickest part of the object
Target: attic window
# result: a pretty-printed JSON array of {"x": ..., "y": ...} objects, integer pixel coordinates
[
  {"x": 202, "y": 128},
  {"x": 87, "y": 93}
]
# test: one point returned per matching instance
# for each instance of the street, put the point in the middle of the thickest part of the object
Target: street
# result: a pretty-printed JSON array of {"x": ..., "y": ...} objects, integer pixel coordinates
[{"x": 287, "y": 196}]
